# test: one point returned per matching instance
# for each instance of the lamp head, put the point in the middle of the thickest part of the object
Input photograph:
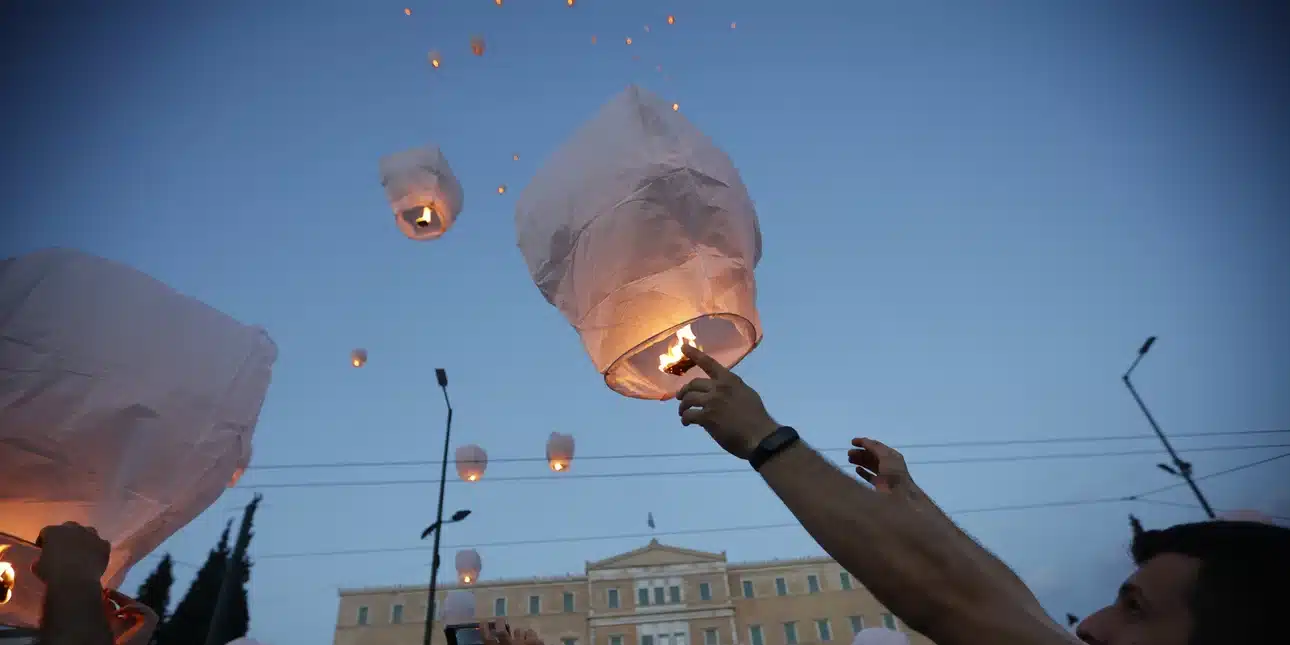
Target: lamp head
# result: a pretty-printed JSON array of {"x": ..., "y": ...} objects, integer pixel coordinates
[
  {"x": 461, "y": 515},
  {"x": 1146, "y": 345},
  {"x": 441, "y": 375}
]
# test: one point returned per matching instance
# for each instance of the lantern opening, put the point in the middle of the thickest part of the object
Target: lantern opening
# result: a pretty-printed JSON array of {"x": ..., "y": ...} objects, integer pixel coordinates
[
  {"x": 657, "y": 365},
  {"x": 7, "y": 579},
  {"x": 557, "y": 466},
  {"x": 465, "y": 579},
  {"x": 424, "y": 219},
  {"x": 472, "y": 478}
]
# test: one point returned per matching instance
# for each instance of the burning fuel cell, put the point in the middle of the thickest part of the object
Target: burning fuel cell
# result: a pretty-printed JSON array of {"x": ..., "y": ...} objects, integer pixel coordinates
[
  {"x": 666, "y": 240},
  {"x": 421, "y": 189}
]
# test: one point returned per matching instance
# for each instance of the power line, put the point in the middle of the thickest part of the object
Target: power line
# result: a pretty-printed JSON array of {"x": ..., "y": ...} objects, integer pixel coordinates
[
  {"x": 1212, "y": 475},
  {"x": 711, "y": 453},
  {"x": 1161, "y": 502},
  {"x": 728, "y": 471}
]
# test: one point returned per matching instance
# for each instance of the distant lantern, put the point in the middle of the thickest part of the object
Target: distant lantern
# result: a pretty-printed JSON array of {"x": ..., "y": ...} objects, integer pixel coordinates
[
  {"x": 515, "y": 157},
  {"x": 559, "y": 451},
  {"x": 593, "y": 40},
  {"x": 569, "y": 2},
  {"x": 423, "y": 192},
  {"x": 501, "y": 190},
  {"x": 468, "y": 566},
  {"x": 434, "y": 59},
  {"x": 732, "y": 25},
  {"x": 629, "y": 40},
  {"x": 497, "y": 2},
  {"x": 358, "y": 357},
  {"x": 458, "y": 607},
  {"x": 407, "y": 12},
  {"x": 671, "y": 20},
  {"x": 676, "y": 107},
  {"x": 472, "y": 461},
  {"x": 667, "y": 240},
  {"x": 477, "y": 45}
]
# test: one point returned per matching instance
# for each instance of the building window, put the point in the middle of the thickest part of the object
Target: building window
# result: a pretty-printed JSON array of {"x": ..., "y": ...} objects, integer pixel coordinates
[
  {"x": 615, "y": 640},
  {"x": 845, "y": 579},
  {"x": 642, "y": 596},
  {"x": 362, "y": 615},
  {"x": 825, "y": 630},
  {"x": 813, "y": 583},
  {"x": 674, "y": 594},
  {"x": 889, "y": 621},
  {"x": 396, "y": 614},
  {"x": 710, "y": 636},
  {"x": 790, "y": 633},
  {"x": 748, "y": 589},
  {"x": 568, "y": 602},
  {"x": 705, "y": 591},
  {"x": 659, "y": 597},
  {"x": 781, "y": 587},
  {"x": 568, "y": 641},
  {"x": 754, "y": 635},
  {"x": 680, "y": 639},
  {"x": 499, "y": 607},
  {"x": 612, "y": 597},
  {"x": 647, "y": 640},
  {"x": 535, "y": 605},
  {"x": 857, "y": 624}
]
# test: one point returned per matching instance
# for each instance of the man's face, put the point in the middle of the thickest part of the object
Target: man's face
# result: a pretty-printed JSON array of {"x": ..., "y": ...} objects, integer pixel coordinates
[{"x": 1153, "y": 606}]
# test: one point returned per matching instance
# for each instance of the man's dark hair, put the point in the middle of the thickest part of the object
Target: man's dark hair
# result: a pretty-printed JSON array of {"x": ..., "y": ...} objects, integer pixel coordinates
[{"x": 1241, "y": 590}]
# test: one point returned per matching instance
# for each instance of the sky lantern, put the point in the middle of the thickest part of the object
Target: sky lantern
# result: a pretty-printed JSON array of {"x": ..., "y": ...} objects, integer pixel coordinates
[
  {"x": 434, "y": 58},
  {"x": 420, "y": 187},
  {"x": 671, "y": 20},
  {"x": 468, "y": 566},
  {"x": 559, "y": 451},
  {"x": 472, "y": 461},
  {"x": 458, "y": 607},
  {"x": 640, "y": 231},
  {"x": 407, "y": 12},
  {"x": 358, "y": 357},
  {"x": 501, "y": 189},
  {"x": 477, "y": 45},
  {"x": 132, "y": 425}
]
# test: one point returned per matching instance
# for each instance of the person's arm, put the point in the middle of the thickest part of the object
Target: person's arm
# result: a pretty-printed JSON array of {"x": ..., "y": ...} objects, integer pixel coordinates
[
  {"x": 901, "y": 555},
  {"x": 73, "y": 613}
]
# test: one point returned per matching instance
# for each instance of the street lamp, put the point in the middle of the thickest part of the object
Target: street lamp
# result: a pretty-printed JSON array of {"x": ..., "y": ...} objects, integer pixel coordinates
[
  {"x": 441, "y": 375},
  {"x": 1179, "y": 468}
]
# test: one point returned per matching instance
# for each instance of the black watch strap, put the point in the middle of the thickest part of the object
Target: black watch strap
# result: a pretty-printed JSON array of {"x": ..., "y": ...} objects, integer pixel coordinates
[{"x": 772, "y": 445}]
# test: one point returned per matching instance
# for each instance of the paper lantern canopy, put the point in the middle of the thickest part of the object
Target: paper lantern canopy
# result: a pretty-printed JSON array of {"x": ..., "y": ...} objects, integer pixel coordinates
[
  {"x": 471, "y": 463},
  {"x": 559, "y": 451},
  {"x": 468, "y": 566},
  {"x": 458, "y": 607},
  {"x": 132, "y": 425},
  {"x": 425, "y": 195},
  {"x": 358, "y": 357},
  {"x": 640, "y": 231}
]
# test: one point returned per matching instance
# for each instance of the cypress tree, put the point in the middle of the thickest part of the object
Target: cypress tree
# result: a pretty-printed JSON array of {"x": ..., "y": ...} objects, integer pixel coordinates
[
  {"x": 191, "y": 620},
  {"x": 155, "y": 591}
]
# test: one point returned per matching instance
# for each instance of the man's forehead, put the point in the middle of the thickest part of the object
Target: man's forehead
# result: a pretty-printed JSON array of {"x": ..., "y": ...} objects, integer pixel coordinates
[{"x": 1168, "y": 576}]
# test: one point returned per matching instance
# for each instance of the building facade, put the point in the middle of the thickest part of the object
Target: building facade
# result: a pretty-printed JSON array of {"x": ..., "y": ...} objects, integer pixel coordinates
[{"x": 654, "y": 595}]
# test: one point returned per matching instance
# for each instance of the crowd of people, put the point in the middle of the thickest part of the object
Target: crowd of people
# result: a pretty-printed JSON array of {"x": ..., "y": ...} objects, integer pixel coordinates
[{"x": 1207, "y": 583}]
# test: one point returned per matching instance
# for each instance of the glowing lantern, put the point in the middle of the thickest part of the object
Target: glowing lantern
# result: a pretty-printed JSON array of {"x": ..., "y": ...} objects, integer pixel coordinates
[
  {"x": 515, "y": 157},
  {"x": 497, "y": 2},
  {"x": 501, "y": 190},
  {"x": 477, "y": 45},
  {"x": 732, "y": 25},
  {"x": 629, "y": 40},
  {"x": 434, "y": 59},
  {"x": 559, "y": 451},
  {"x": 676, "y": 107},
  {"x": 671, "y": 20},
  {"x": 468, "y": 566},
  {"x": 665, "y": 239},
  {"x": 472, "y": 461},
  {"x": 407, "y": 12},
  {"x": 569, "y": 2},
  {"x": 423, "y": 192},
  {"x": 133, "y": 425},
  {"x": 358, "y": 357},
  {"x": 458, "y": 607}
]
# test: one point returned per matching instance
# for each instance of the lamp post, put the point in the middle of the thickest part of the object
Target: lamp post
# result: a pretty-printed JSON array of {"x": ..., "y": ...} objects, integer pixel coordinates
[
  {"x": 441, "y": 376},
  {"x": 1179, "y": 468}
]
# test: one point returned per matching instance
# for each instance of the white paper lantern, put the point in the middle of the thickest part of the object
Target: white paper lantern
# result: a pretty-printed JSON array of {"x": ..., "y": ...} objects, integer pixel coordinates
[
  {"x": 471, "y": 463},
  {"x": 124, "y": 406},
  {"x": 458, "y": 607},
  {"x": 469, "y": 565},
  {"x": 640, "y": 231},
  {"x": 559, "y": 451},
  {"x": 880, "y": 636},
  {"x": 358, "y": 357},
  {"x": 425, "y": 195}
]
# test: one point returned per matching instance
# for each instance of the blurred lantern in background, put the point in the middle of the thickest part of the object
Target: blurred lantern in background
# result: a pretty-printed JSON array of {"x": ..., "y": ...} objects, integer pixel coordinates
[
  {"x": 666, "y": 240},
  {"x": 671, "y": 20},
  {"x": 468, "y": 566},
  {"x": 141, "y": 448},
  {"x": 477, "y": 45},
  {"x": 407, "y": 12},
  {"x": 358, "y": 357},
  {"x": 423, "y": 192},
  {"x": 559, "y": 451},
  {"x": 471, "y": 462},
  {"x": 434, "y": 59},
  {"x": 458, "y": 607}
]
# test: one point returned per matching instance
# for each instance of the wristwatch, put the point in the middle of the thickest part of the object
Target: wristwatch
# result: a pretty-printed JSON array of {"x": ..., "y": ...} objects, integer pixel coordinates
[{"x": 774, "y": 443}]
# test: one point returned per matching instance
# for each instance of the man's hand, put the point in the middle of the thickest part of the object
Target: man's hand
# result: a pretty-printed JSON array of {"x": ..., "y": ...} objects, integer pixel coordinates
[
  {"x": 725, "y": 406},
  {"x": 881, "y": 466},
  {"x": 500, "y": 635},
  {"x": 71, "y": 552}
]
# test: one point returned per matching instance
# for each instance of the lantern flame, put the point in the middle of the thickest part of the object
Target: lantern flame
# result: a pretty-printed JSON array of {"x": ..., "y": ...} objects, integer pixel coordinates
[
  {"x": 557, "y": 466},
  {"x": 472, "y": 477},
  {"x": 465, "y": 579},
  {"x": 357, "y": 363},
  {"x": 676, "y": 107},
  {"x": 427, "y": 215},
  {"x": 629, "y": 41},
  {"x": 673, "y": 361},
  {"x": 671, "y": 20},
  {"x": 7, "y": 578}
]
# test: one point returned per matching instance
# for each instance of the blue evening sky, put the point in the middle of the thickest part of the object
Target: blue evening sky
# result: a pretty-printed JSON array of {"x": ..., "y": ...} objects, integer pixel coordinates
[{"x": 973, "y": 215}]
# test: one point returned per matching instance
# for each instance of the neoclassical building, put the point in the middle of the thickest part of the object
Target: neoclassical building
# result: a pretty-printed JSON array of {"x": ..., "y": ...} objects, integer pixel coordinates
[{"x": 655, "y": 595}]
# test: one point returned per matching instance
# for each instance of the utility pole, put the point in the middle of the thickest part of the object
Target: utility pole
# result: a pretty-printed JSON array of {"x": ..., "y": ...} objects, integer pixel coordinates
[{"x": 1180, "y": 468}]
